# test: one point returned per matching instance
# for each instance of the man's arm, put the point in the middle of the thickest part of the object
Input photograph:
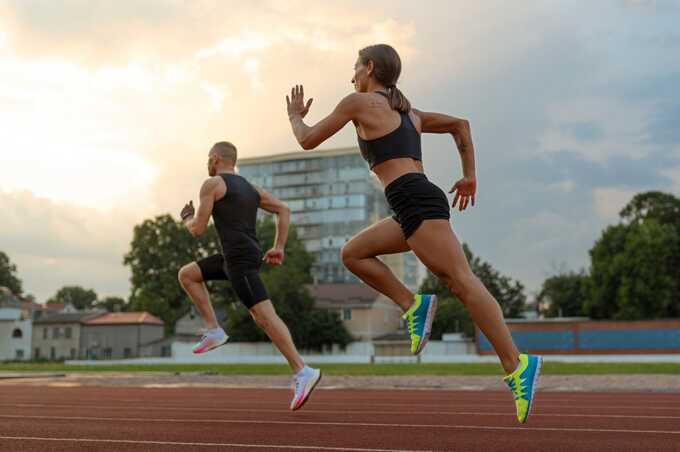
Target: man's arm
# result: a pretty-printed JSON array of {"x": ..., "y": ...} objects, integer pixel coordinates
[
  {"x": 274, "y": 205},
  {"x": 198, "y": 223}
]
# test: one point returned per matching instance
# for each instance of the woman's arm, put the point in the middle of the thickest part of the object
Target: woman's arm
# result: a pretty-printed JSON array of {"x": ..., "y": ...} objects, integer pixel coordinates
[
  {"x": 459, "y": 128},
  {"x": 310, "y": 137}
]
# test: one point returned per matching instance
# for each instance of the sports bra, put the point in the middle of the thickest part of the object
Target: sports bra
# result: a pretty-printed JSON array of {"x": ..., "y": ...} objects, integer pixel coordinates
[{"x": 404, "y": 141}]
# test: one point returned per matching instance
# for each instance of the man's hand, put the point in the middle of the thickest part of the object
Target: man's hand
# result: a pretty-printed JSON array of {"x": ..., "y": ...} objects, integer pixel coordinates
[
  {"x": 465, "y": 190},
  {"x": 274, "y": 257},
  {"x": 296, "y": 102},
  {"x": 188, "y": 211}
]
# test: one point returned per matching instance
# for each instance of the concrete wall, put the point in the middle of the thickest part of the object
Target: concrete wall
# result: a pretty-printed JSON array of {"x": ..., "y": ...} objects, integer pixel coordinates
[
  {"x": 592, "y": 337},
  {"x": 55, "y": 345},
  {"x": 370, "y": 322},
  {"x": 117, "y": 341},
  {"x": 15, "y": 348}
]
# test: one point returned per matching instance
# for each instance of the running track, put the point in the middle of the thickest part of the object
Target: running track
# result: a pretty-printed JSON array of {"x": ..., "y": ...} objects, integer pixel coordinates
[{"x": 39, "y": 418}]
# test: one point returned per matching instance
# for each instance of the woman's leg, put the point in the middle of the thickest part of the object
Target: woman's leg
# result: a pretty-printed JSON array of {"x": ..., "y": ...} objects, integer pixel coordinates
[
  {"x": 437, "y": 247},
  {"x": 191, "y": 280},
  {"x": 359, "y": 256}
]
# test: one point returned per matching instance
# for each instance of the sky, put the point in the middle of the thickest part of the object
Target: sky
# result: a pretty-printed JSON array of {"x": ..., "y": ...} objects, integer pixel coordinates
[{"x": 108, "y": 110}]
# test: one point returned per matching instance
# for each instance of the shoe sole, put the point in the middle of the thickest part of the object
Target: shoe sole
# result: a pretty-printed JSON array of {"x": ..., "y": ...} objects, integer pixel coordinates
[
  {"x": 309, "y": 393},
  {"x": 211, "y": 348},
  {"x": 431, "y": 312},
  {"x": 534, "y": 383}
]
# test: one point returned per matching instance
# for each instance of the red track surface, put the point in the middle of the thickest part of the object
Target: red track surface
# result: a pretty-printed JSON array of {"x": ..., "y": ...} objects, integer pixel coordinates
[{"x": 34, "y": 418}]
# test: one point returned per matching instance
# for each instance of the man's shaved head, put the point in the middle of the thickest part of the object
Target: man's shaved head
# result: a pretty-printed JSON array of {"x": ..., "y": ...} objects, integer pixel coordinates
[{"x": 225, "y": 151}]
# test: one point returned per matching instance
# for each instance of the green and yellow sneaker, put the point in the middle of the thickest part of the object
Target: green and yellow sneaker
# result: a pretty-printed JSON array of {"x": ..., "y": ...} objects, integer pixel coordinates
[
  {"x": 419, "y": 319},
  {"x": 522, "y": 383}
]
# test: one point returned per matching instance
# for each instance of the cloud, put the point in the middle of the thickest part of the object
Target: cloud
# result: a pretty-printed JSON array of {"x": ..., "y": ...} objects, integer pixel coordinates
[
  {"x": 114, "y": 106},
  {"x": 54, "y": 244}
]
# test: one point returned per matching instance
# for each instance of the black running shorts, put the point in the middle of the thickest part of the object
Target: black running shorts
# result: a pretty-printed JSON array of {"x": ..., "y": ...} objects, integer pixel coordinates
[
  {"x": 246, "y": 281},
  {"x": 414, "y": 199}
]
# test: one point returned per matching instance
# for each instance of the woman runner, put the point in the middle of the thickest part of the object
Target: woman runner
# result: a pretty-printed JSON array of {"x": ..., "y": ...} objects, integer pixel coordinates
[{"x": 388, "y": 131}]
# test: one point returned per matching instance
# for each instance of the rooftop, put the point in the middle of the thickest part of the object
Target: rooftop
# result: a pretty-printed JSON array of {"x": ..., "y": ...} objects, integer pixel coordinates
[
  {"x": 298, "y": 155},
  {"x": 125, "y": 318},
  {"x": 69, "y": 317},
  {"x": 343, "y": 293}
]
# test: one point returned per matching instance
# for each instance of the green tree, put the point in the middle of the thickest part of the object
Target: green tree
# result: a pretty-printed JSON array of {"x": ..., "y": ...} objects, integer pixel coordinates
[
  {"x": 635, "y": 265},
  {"x": 8, "y": 275},
  {"x": 286, "y": 285},
  {"x": 77, "y": 296},
  {"x": 159, "y": 248},
  {"x": 452, "y": 315},
  {"x": 564, "y": 294},
  {"x": 111, "y": 304}
]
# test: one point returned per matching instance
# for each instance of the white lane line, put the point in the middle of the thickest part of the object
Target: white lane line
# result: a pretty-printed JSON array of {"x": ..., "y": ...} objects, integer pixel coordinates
[
  {"x": 338, "y": 424},
  {"x": 348, "y": 412},
  {"x": 178, "y": 443}
]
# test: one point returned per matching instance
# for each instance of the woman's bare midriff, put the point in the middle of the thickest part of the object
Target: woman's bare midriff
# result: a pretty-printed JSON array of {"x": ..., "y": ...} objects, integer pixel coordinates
[{"x": 390, "y": 170}]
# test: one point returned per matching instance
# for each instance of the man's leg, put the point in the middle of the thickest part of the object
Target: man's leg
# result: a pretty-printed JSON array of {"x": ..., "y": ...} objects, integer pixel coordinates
[
  {"x": 253, "y": 294},
  {"x": 191, "y": 280},
  {"x": 266, "y": 317}
]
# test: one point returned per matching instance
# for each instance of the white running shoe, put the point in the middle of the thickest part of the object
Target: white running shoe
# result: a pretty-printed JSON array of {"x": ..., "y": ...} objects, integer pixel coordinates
[
  {"x": 305, "y": 381},
  {"x": 211, "y": 339}
]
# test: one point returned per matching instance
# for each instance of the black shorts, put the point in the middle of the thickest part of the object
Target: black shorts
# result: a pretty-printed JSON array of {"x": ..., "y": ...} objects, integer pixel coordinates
[
  {"x": 246, "y": 281},
  {"x": 414, "y": 199}
]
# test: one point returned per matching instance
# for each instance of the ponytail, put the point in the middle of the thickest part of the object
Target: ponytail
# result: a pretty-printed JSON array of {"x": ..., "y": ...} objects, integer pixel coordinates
[{"x": 397, "y": 99}]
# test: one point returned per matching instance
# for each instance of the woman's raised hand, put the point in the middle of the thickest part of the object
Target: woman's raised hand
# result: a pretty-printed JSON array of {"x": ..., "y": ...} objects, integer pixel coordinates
[{"x": 296, "y": 102}]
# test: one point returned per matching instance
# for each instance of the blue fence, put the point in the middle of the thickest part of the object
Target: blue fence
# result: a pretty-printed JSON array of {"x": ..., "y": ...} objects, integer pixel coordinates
[{"x": 582, "y": 337}]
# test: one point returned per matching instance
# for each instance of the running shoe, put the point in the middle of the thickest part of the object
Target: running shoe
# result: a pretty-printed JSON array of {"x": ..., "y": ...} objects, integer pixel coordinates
[
  {"x": 211, "y": 339},
  {"x": 419, "y": 321},
  {"x": 522, "y": 382},
  {"x": 304, "y": 383}
]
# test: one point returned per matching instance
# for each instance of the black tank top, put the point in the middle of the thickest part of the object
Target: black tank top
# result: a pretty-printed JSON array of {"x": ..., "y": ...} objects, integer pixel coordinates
[
  {"x": 404, "y": 141},
  {"x": 235, "y": 216}
]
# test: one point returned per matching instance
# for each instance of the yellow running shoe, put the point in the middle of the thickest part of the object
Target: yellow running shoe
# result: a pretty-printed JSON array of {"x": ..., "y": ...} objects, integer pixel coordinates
[{"x": 522, "y": 383}]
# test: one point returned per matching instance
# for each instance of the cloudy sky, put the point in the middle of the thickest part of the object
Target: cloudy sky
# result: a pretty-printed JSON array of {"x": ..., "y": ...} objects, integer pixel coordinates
[{"x": 107, "y": 110}]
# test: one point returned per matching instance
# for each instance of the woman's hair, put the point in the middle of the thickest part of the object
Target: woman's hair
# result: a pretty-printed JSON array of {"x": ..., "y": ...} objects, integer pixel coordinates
[{"x": 386, "y": 70}]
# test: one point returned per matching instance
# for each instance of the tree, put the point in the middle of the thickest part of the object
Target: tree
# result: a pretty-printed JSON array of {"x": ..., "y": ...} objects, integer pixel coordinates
[
  {"x": 77, "y": 296},
  {"x": 159, "y": 248},
  {"x": 8, "y": 275},
  {"x": 635, "y": 265},
  {"x": 564, "y": 294},
  {"x": 452, "y": 315},
  {"x": 111, "y": 304},
  {"x": 286, "y": 284}
]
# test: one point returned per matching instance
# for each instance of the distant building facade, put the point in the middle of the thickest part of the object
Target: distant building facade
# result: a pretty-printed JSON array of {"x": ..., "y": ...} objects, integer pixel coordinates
[
  {"x": 15, "y": 328},
  {"x": 365, "y": 313},
  {"x": 332, "y": 196},
  {"x": 119, "y": 335},
  {"x": 59, "y": 336}
]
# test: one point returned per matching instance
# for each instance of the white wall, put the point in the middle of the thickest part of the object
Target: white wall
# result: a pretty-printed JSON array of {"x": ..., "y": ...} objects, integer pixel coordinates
[{"x": 9, "y": 345}]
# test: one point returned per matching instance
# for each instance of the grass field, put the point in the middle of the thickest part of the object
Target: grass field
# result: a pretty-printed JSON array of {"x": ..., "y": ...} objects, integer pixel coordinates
[{"x": 554, "y": 368}]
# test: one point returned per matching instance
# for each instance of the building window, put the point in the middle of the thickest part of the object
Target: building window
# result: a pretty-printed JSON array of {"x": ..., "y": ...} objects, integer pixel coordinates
[
  {"x": 55, "y": 332},
  {"x": 67, "y": 332},
  {"x": 44, "y": 333},
  {"x": 37, "y": 353},
  {"x": 127, "y": 352},
  {"x": 19, "y": 354},
  {"x": 17, "y": 334},
  {"x": 165, "y": 350},
  {"x": 53, "y": 353},
  {"x": 73, "y": 353},
  {"x": 346, "y": 314},
  {"x": 107, "y": 353}
]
